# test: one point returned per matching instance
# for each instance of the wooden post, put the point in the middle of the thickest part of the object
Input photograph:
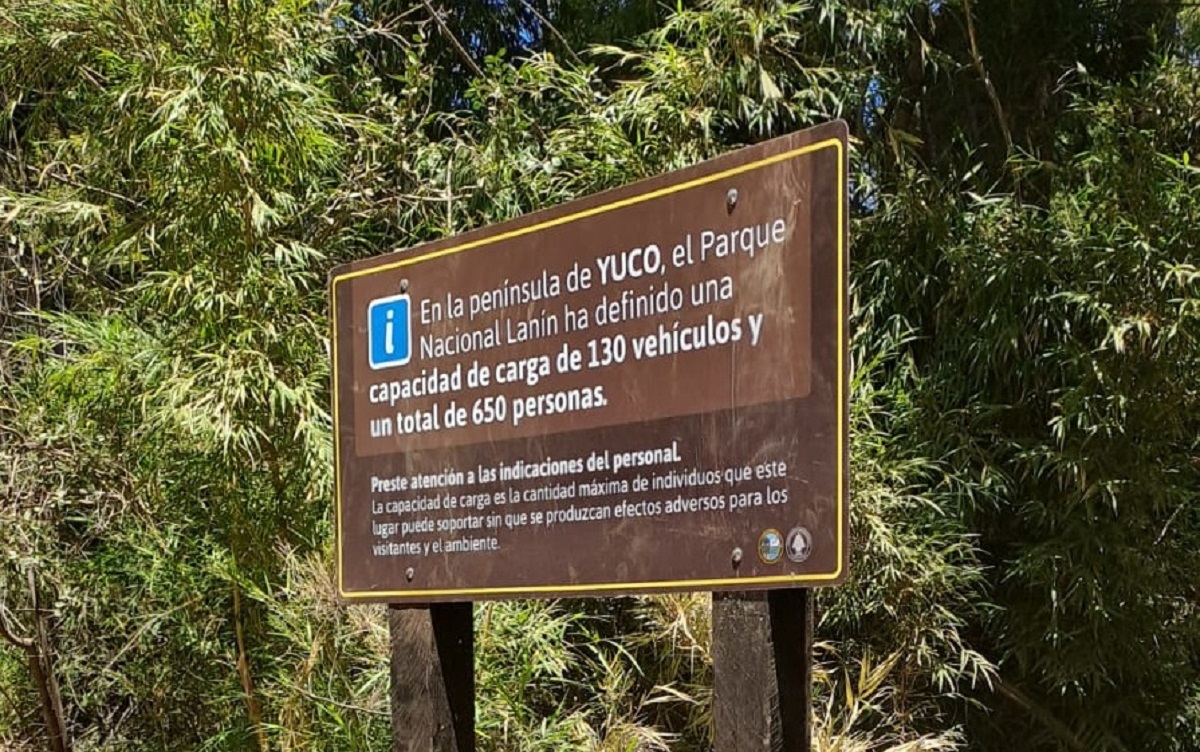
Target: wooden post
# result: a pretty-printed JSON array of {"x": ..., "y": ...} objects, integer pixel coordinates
[
  {"x": 762, "y": 666},
  {"x": 433, "y": 678}
]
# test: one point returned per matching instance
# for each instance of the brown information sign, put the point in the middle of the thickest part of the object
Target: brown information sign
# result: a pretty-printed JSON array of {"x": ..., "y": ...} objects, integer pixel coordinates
[{"x": 644, "y": 390}]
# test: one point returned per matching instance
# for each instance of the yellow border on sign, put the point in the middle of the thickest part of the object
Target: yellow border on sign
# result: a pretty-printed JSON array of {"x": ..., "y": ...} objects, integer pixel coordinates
[{"x": 417, "y": 595}]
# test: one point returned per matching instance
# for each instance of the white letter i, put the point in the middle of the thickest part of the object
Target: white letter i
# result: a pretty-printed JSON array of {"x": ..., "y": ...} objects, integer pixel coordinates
[{"x": 389, "y": 343}]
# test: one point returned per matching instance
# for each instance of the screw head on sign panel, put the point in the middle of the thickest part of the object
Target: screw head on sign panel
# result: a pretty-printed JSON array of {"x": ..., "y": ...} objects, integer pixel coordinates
[
  {"x": 409, "y": 574},
  {"x": 404, "y": 285},
  {"x": 736, "y": 557},
  {"x": 731, "y": 199}
]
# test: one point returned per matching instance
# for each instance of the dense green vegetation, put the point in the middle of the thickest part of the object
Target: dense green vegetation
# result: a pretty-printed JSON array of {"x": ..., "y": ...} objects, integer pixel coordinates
[{"x": 177, "y": 178}]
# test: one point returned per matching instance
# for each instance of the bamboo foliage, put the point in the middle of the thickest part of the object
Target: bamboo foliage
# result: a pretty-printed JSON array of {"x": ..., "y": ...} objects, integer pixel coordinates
[{"x": 177, "y": 178}]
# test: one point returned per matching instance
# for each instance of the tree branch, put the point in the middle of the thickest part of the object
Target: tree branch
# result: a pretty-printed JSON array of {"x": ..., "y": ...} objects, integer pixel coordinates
[
  {"x": 253, "y": 709},
  {"x": 41, "y": 670},
  {"x": 85, "y": 187},
  {"x": 6, "y": 631},
  {"x": 1057, "y": 727},
  {"x": 977, "y": 60},
  {"x": 453, "y": 40},
  {"x": 1165, "y": 528},
  {"x": 553, "y": 30}
]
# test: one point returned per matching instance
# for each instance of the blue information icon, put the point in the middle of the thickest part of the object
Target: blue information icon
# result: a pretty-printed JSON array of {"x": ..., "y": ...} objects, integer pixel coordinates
[{"x": 389, "y": 331}]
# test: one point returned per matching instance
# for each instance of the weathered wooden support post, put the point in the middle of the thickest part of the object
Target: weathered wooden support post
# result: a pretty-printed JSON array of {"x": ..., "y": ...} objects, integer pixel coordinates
[
  {"x": 762, "y": 666},
  {"x": 433, "y": 678}
]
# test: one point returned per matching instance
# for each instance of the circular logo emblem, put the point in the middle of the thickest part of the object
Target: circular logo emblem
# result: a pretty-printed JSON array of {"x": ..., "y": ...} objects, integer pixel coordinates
[
  {"x": 770, "y": 546},
  {"x": 799, "y": 544}
]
